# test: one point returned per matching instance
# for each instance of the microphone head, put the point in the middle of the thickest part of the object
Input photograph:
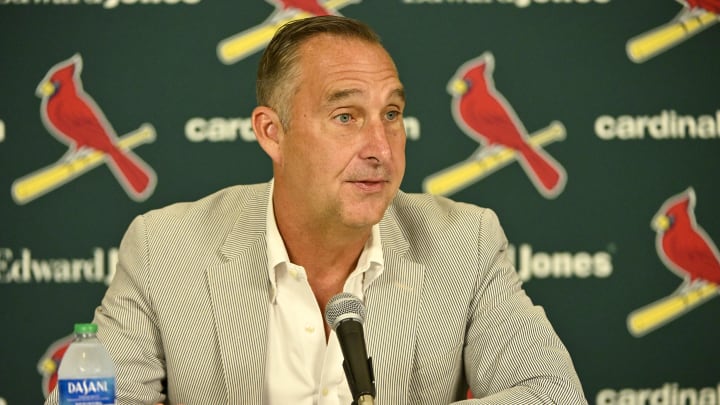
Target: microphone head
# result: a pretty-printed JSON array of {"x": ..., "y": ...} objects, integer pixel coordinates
[{"x": 342, "y": 307}]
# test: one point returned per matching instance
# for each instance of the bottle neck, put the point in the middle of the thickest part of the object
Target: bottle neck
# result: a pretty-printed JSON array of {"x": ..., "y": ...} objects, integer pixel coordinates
[{"x": 84, "y": 336}]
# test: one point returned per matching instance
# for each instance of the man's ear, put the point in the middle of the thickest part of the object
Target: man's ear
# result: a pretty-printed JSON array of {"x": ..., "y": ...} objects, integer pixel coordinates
[{"x": 268, "y": 131}]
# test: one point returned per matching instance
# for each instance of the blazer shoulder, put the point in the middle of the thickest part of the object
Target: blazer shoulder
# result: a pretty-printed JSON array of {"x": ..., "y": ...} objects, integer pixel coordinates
[
  {"x": 435, "y": 213},
  {"x": 213, "y": 207},
  {"x": 207, "y": 220},
  {"x": 426, "y": 225}
]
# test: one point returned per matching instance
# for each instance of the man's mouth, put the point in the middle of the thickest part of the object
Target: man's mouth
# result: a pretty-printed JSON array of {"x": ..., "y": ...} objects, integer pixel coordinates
[{"x": 369, "y": 184}]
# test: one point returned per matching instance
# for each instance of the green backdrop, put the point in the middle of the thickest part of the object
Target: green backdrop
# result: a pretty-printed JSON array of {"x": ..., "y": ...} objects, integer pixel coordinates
[{"x": 631, "y": 134}]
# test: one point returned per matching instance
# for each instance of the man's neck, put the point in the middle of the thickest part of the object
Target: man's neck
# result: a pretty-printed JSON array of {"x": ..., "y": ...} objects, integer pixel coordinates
[{"x": 322, "y": 251}]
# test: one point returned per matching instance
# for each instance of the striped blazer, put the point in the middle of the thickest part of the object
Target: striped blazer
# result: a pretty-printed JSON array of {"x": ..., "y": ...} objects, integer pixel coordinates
[{"x": 185, "y": 317}]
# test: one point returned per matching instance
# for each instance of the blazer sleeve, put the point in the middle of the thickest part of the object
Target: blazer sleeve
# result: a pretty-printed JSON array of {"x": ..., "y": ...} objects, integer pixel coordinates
[
  {"x": 128, "y": 325},
  {"x": 512, "y": 354}
]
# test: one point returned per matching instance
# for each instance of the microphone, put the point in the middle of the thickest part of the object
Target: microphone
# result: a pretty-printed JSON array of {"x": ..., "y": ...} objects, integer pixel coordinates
[{"x": 345, "y": 314}]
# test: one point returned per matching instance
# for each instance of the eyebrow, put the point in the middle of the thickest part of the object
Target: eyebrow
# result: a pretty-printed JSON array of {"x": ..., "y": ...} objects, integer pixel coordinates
[{"x": 400, "y": 92}]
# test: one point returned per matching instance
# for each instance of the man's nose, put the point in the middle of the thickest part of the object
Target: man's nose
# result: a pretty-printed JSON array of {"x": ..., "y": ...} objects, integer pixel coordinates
[{"x": 377, "y": 144}]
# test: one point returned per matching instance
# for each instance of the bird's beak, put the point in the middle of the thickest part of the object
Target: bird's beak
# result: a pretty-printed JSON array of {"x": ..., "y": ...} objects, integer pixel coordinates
[
  {"x": 457, "y": 87},
  {"x": 661, "y": 223},
  {"x": 45, "y": 89}
]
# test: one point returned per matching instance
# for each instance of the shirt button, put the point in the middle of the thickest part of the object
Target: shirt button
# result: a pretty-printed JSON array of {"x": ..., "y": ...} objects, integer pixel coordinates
[
  {"x": 309, "y": 329},
  {"x": 293, "y": 273},
  {"x": 325, "y": 392}
]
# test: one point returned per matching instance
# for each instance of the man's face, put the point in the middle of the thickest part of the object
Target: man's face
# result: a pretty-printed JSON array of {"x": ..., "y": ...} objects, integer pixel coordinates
[{"x": 342, "y": 157}]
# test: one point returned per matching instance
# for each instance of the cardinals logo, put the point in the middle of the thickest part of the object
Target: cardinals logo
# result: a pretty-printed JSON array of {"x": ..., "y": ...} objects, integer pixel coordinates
[
  {"x": 695, "y": 16},
  {"x": 71, "y": 115},
  {"x": 246, "y": 43},
  {"x": 50, "y": 363},
  {"x": 486, "y": 117},
  {"x": 685, "y": 249}
]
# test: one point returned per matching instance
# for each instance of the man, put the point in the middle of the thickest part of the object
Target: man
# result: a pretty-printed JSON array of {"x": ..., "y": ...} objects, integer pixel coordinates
[{"x": 221, "y": 300}]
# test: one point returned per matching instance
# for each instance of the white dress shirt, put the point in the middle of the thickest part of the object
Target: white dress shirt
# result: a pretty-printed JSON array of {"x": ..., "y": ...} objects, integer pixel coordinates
[{"x": 301, "y": 368}]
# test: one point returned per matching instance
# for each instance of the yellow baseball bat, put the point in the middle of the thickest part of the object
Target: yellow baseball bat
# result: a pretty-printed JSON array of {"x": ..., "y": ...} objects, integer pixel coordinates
[
  {"x": 49, "y": 178},
  {"x": 644, "y": 320},
  {"x": 239, "y": 46},
  {"x": 461, "y": 175},
  {"x": 645, "y": 46}
]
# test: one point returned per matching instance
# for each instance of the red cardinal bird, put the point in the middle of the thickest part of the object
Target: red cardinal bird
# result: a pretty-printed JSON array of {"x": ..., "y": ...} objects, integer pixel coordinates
[
  {"x": 712, "y": 6},
  {"x": 682, "y": 245},
  {"x": 485, "y": 115},
  {"x": 73, "y": 117},
  {"x": 311, "y": 6}
]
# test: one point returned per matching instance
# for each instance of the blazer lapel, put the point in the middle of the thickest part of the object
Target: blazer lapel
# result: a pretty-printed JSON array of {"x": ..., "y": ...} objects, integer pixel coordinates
[
  {"x": 392, "y": 304},
  {"x": 239, "y": 291}
]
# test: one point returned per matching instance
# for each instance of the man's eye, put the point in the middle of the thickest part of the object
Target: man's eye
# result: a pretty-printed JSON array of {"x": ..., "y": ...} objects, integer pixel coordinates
[
  {"x": 392, "y": 115},
  {"x": 343, "y": 118}
]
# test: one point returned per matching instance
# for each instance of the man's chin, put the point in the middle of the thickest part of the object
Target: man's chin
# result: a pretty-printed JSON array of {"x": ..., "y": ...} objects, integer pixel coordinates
[
  {"x": 365, "y": 211},
  {"x": 362, "y": 220}
]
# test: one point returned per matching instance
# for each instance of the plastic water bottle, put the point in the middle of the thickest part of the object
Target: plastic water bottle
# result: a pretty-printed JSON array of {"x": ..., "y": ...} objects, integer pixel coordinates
[{"x": 87, "y": 374}]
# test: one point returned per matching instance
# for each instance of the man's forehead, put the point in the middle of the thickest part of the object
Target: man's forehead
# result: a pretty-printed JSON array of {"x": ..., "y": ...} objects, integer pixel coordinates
[
  {"x": 339, "y": 94},
  {"x": 347, "y": 67},
  {"x": 323, "y": 48}
]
